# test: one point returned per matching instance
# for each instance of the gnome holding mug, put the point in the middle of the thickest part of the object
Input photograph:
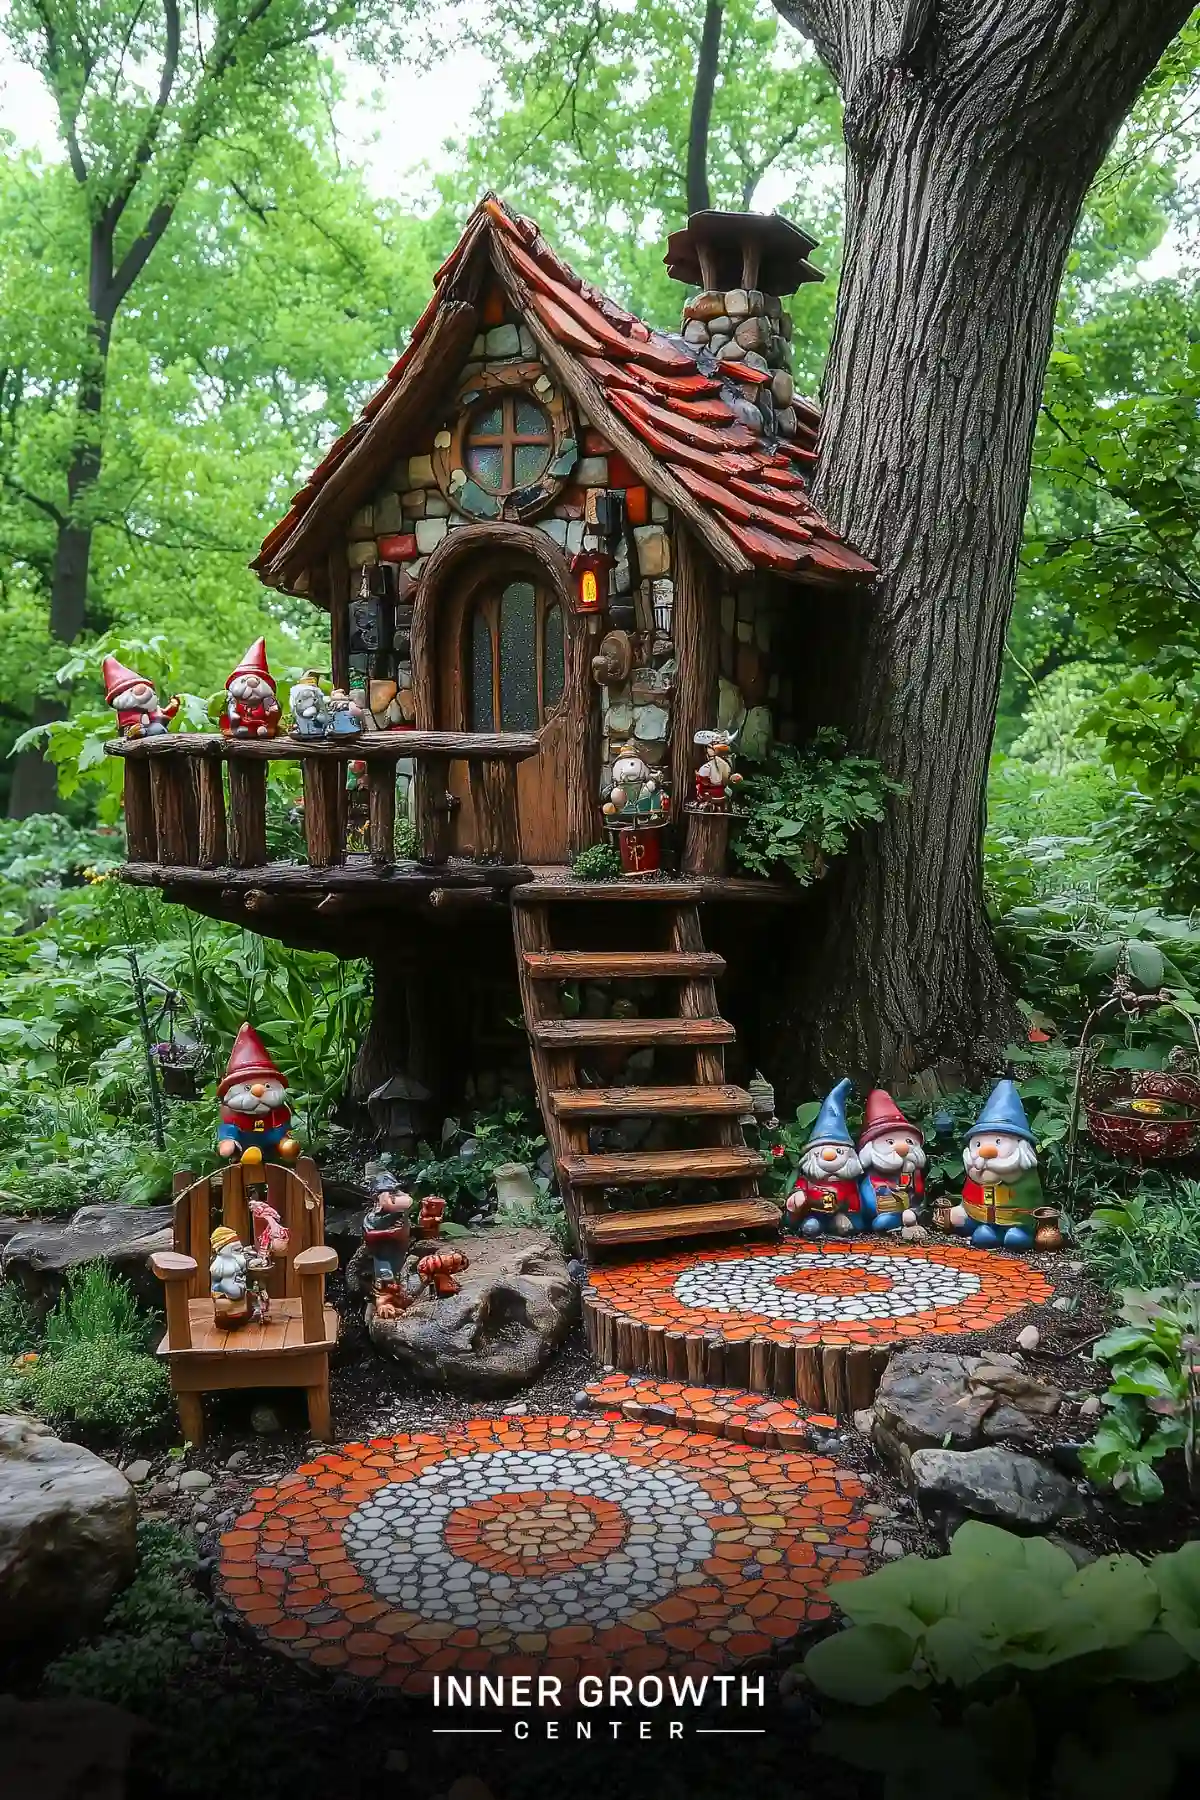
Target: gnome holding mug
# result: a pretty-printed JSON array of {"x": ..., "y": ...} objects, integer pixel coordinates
[
  {"x": 1003, "y": 1189},
  {"x": 138, "y": 713},
  {"x": 255, "y": 1118},
  {"x": 826, "y": 1196},
  {"x": 251, "y": 709},
  {"x": 892, "y": 1155}
]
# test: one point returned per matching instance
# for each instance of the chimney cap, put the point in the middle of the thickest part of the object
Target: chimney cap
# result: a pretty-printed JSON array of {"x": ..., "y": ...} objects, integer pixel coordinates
[{"x": 742, "y": 249}]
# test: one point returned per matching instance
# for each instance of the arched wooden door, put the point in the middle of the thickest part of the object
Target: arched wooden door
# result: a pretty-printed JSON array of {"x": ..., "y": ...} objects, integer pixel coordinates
[{"x": 508, "y": 656}]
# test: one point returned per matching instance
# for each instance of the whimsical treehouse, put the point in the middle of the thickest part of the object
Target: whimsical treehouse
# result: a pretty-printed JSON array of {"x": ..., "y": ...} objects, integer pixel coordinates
[{"x": 567, "y": 561}]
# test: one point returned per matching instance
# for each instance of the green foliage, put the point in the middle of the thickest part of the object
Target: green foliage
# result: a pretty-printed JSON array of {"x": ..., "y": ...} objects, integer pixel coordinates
[
  {"x": 99, "y": 1382},
  {"x": 94, "y": 1304},
  {"x": 19, "y": 1330},
  {"x": 1153, "y": 1396},
  {"x": 1149, "y": 1240},
  {"x": 155, "y": 1632},
  {"x": 599, "y": 862},
  {"x": 799, "y": 807},
  {"x": 462, "y": 1168}
]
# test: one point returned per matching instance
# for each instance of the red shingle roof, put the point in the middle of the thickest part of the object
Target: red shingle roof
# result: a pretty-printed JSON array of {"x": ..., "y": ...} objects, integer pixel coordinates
[{"x": 675, "y": 421}]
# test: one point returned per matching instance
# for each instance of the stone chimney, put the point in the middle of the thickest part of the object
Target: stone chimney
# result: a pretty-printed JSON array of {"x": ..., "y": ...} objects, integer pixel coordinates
[{"x": 743, "y": 264}]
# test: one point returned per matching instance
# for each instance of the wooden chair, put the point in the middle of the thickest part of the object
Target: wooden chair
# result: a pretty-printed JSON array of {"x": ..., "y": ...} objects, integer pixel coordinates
[{"x": 292, "y": 1348}]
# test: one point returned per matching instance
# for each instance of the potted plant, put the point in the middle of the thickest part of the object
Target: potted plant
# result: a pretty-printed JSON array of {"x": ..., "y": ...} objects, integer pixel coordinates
[{"x": 1138, "y": 1074}]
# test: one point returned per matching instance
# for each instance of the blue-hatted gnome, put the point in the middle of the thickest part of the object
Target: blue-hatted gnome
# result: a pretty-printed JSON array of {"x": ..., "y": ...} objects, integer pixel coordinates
[
  {"x": 826, "y": 1197},
  {"x": 1003, "y": 1188},
  {"x": 892, "y": 1154}
]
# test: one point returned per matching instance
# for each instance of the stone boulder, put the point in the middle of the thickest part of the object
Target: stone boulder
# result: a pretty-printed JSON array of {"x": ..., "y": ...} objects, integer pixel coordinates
[
  {"x": 514, "y": 1307},
  {"x": 39, "y": 1256},
  {"x": 934, "y": 1399},
  {"x": 68, "y": 1536},
  {"x": 1001, "y": 1486}
]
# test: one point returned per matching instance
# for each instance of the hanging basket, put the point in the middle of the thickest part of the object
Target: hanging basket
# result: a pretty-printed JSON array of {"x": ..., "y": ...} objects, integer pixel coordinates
[
  {"x": 178, "y": 1068},
  {"x": 1147, "y": 1115}
]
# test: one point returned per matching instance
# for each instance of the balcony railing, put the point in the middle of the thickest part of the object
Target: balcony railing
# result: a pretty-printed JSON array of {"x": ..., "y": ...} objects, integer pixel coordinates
[{"x": 176, "y": 814}]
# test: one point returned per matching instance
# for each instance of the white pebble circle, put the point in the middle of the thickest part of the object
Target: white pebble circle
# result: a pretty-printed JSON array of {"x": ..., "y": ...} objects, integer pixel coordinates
[{"x": 752, "y": 1285}]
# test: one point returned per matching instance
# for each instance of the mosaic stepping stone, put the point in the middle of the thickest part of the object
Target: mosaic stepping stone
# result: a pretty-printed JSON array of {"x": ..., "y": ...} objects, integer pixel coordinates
[
  {"x": 814, "y": 1322},
  {"x": 550, "y": 1546},
  {"x": 742, "y": 1417}
]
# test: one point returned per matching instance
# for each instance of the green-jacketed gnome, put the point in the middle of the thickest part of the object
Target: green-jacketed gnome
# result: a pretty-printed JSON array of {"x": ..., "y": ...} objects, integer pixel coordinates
[{"x": 1003, "y": 1189}]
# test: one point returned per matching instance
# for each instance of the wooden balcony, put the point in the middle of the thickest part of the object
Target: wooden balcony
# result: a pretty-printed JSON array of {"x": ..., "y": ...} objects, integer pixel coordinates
[{"x": 179, "y": 818}]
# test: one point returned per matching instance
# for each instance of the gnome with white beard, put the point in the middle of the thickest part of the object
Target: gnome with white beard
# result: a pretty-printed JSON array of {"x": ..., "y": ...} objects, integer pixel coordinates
[
  {"x": 251, "y": 709},
  {"x": 826, "y": 1196},
  {"x": 893, "y": 1159},
  {"x": 1003, "y": 1189},
  {"x": 256, "y": 1120}
]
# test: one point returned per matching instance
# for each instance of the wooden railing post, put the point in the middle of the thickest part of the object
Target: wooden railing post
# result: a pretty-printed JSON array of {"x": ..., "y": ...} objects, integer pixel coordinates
[
  {"x": 173, "y": 798},
  {"x": 247, "y": 812},
  {"x": 324, "y": 822},
  {"x": 141, "y": 839},
  {"x": 434, "y": 809},
  {"x": 214, "y": 844},
  {"x": 494, "y": 803},
  {"x": 381, "y": 805}
]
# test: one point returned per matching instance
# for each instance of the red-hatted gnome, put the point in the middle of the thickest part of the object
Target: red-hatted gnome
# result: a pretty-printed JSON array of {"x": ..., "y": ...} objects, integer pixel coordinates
[
  {"x": 251, "y": 709},
  {"x": 826, "y": 1197},
  {"x": 138, "y": 712},
  {"x": 255, "y": 1118},
  {"x": 892, "y": 1155}
]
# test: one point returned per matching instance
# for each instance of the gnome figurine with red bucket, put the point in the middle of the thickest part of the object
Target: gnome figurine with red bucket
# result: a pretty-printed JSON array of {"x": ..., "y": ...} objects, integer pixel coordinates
[
  {"x": 251, "y": 709},
  {"x": 1003, "y": 1190},
  {"x": 138, "y": 713},
  {"x": 826, "y": 1196},
  {"x": 256, "y": 1121},
  {"x": 636, "y": 810},
  {"x": 892, "y": 1155}
]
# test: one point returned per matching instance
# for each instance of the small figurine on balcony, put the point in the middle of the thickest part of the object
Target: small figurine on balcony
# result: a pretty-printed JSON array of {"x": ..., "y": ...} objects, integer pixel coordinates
[
  {"x": 386, "y": 1234},
  {"x": 892, "y": 1154},
  {"x": 255, "y": 1118},
  {"x": 133, "y": 697},
  {"x": 826, "y": 1196},
  {"x": 715, "y": 776},
  {"x": 251, "y": 709},
  {"x": 309, "y": 704},
  {"x": 1003, "y": 1191},
  {"x": 347, "y": 714}
]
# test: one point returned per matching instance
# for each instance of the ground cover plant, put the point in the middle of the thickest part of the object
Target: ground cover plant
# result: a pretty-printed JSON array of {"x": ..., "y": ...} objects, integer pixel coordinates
[{"x": 89, "y": 1367}]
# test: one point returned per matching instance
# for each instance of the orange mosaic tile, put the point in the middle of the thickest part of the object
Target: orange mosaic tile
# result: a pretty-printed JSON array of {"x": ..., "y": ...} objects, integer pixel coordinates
[
  {"x": 742, "y": 1417},
  {"x": 548, "y": 1545}
]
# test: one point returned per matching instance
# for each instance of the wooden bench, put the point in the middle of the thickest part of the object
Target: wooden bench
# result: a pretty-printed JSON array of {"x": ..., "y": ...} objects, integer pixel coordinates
[{"x": 292, "y": 1348}]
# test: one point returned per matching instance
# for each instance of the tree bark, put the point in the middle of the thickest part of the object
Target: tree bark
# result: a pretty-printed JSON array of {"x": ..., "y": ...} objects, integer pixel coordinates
[
  {"x": 972, "y": 135},
  {"x": 707, "y": 66}
]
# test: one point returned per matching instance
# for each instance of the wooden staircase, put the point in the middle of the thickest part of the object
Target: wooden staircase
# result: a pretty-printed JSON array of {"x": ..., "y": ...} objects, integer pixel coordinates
[{"x": 573, "y": 1102}]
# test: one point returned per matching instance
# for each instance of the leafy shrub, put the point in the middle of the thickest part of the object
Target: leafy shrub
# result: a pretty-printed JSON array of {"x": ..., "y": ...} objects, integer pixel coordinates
[
  {"x": 149, "y": 1637},
  {"x": 462, "y": 1169},
  {"x": 799, "y": 807},
  {"x": 19, "y": 1331},
  {"x": 1154, "y": 1395},
  {"x": 599, "y": 862},
  {"x": 546, "y": 1213},
  {"x": 94, "y": 1304},
  {"x": 1150, "y": 1240},
  {"x": 98, "y": 1382}
]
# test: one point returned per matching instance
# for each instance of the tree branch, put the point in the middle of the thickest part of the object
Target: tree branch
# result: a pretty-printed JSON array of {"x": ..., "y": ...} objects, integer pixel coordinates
[
  {"x": 23, "y": 493},
  {"x": 144, "y": 148},
  {"x": 68, "y": 116},
  {"x": 707, "y": 67}
]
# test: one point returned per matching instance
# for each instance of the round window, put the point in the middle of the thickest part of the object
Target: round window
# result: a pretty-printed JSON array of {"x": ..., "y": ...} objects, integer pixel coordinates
[{"x": 508, "y": 444}]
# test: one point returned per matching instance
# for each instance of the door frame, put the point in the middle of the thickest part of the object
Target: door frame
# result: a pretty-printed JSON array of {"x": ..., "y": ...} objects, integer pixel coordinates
[{"x": 444, "y": 587}]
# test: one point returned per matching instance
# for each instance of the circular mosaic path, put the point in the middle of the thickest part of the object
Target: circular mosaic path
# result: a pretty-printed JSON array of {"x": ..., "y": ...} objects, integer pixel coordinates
[{"x": 542, "y": 1546}]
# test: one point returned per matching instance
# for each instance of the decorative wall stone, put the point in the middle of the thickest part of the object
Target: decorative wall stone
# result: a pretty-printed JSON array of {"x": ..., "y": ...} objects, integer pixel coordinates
[
  {"x": 430, "y": 533},
  {"x": 502, "y": 340},
  {"x": 653, "y": 550}
]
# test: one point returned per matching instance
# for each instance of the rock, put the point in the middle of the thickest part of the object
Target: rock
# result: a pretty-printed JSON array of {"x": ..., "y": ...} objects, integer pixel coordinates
[
  {"x": 1091, "y": 1407},
  {"x": 64, "y": 1749},
  {"x": 753, "y": 334},
  {"x": 265, "y": 1421},
  {"x": 38, "y": 1257},
  {"x": 998, "y": 1485},
  {"x": 514, "y": 1307},
  {"x": 1029, "y": 1339},
  {"x": 194, "y": 1481},
  {"x": 68, "y": 1524},
  {"x": 136, "y": 1471},
  {"x": 695, "y": 332},
  {"x": 782, "y": 388},
  {"x": 924, "y": 1401},
  {"x": 1005, "y": 1376},
  {"x": 582, "y": 1401},
  {"x": 650, "y": 723},
  {"x": 737, "y": 303},
  {"x": 429, "y": 533},
  {"x": 706, "y": 305},
  {"x": 756, "y": 733},
  {"x": 653, "y": 550},
  {"x": 1008, "y": 1422},
  {"x": 502, "y": 340}
]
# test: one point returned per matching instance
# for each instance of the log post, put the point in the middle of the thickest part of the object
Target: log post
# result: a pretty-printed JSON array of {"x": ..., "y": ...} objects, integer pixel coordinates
[
  {"x": 170, "y": 781},
  {"x": 175, "y": 1272},
  {"x": 434, "y": 809},
  {"x": 381, "y": 804},
  {"x": 494, "y": 803},
  {"x": 324, "y": 777},
  {"x": 696, "y": 632},
  {"x": 141, "y": 840},
  {"x": 706, "y": 843},
  {"x": 214, "y": 845},
  {"x": 247, "y": 812},
  {"x": 312, "y": 1266}
]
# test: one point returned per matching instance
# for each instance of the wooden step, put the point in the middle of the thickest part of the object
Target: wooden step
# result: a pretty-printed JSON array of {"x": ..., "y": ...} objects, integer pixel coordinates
[
  {"x": 549, "y": 893},
  {"x": 606, "y": 1231},
  {"x": 630, "y": 1168},
  {"x": 617, "y": 965},
  {"x": 650, "y": 1102},
  {"x": 570, "y": 1034}
]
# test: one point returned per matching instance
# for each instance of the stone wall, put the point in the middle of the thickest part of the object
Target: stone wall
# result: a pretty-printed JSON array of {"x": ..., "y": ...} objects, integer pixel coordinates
[{"x": 746, "y": 326}]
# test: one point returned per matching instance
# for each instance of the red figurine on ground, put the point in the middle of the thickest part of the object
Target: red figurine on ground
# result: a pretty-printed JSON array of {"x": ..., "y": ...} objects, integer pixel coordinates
[
  {"x": 437, "y": 1272},
  {"x": 252, "y": 709},
  {"x": 138, "y": 712},
  {"x": 429, "y": 1219}
]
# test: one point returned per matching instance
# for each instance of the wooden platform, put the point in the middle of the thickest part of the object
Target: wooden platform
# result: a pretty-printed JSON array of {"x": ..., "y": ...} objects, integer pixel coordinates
[{"x": 282, "y": 1335}]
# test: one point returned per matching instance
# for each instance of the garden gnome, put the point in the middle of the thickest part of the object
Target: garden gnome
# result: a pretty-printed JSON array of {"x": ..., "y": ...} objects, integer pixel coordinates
[
  {"x": 386, "y": 1234},
  {"x": 138, "y": 713},
  {"x": 310, "y": 707},
  {"x": 715, "y": 776},
  {"x": 255, "y": 1118},
  {"x": 1003, "y": 1189},
  {"x": 826, "y": 1197},
  {"x": 636, "y": 796},
  {"x": 228, "y": 1277},
  {"x": 347, "y": 715},
  {"x": 251, "y": 709},
  {"x": 892, "y": 1155}
]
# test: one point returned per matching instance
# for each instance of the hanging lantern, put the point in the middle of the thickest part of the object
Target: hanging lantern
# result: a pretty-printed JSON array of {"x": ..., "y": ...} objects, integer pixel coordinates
[{"x": 591, "y": 570}]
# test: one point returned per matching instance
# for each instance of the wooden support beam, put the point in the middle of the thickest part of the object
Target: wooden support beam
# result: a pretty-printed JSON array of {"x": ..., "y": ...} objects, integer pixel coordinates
[
  {"x": 435, "y": 809},
  {"x": 381, "y": 804},
  {"x": 494, "y": 803},
  {"x": 141, "y": 840},
  {"x": 214, "y": 842},
  {"x": 324, "y": 783},
  {"x": 247, "y": 813}
]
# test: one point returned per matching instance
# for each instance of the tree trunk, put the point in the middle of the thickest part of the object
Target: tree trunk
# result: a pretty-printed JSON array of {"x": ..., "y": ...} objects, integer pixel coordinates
[
  {"x": 708, "y": 64},
  {"x": 970, "y": 147}
]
